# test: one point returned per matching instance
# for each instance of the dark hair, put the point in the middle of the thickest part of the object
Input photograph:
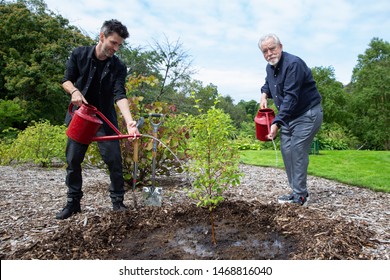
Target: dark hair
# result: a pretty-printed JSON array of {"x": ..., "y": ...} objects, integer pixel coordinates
[{"x": 114, "y": 26}]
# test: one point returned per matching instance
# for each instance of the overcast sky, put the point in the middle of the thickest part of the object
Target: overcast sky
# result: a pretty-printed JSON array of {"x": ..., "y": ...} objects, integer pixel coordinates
[{"x": 222, "y": 36}]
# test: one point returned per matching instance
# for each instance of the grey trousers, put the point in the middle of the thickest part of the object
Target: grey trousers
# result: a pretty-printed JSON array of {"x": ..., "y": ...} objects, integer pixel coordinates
[
  {"x": 295, "y": 142},
  {"x": 111, "y": 155}
]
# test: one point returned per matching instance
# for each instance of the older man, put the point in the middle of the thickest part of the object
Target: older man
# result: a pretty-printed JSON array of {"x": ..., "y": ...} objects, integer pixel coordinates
[{"x": 289, "y": 82}]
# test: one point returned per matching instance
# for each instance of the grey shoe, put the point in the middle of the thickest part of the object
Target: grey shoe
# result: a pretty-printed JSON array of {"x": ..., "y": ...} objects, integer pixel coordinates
[
  {"x": 287, "y": 198},
  {"x": 300, "y": 200},
  {"x": 293, "y": 198}
]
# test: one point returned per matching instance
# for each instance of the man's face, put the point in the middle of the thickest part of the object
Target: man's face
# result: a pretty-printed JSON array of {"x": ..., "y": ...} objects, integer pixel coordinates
[
  {"x": 111, "y": 44},
  {"x": 272, "y": 52}
]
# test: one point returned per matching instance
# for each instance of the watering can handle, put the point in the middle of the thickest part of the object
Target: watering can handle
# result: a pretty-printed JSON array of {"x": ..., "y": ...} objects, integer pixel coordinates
[
  {"x": 155, "y": 115},
  {"x": 70, "y": 109},
  {"x": 109, "y": 123},
  {"x": 268, "y": 124}
]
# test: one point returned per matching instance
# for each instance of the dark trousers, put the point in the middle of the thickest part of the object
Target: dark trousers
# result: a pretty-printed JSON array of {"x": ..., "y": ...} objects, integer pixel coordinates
[{"x": 111, "y": 155}]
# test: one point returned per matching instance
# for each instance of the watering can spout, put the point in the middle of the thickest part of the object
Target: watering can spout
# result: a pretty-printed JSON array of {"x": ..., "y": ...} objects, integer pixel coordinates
[
  {"x": 115, "y": 137},
  {"x": 263, "y": 121}
]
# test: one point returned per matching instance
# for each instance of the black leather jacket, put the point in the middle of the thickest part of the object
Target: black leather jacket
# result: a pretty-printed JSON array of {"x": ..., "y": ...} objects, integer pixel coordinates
[{"x": 80, "y": 70}]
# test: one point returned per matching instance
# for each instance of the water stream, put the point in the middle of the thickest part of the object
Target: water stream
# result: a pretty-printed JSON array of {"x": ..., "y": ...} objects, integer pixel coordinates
[{"x": 176, "y": 157}]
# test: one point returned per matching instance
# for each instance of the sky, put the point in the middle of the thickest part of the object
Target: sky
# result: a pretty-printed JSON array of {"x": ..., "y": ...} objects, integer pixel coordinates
[{"x": 222, "y": 36}]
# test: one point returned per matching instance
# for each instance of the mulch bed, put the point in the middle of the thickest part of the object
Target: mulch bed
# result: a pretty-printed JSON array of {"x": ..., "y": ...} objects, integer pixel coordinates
[{"x": 341, "y": 221}]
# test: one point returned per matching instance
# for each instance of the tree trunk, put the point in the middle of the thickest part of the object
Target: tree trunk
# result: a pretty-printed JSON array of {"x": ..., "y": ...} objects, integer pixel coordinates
[{"x": 212, "y": 229}]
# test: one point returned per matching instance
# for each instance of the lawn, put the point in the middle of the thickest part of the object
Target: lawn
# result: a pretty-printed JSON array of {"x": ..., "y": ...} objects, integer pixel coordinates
[{"x": 369, "y": 169}]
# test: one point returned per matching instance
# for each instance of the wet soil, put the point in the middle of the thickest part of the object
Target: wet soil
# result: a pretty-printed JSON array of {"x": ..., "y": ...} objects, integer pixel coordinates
[{"x": 242, "y": 231}]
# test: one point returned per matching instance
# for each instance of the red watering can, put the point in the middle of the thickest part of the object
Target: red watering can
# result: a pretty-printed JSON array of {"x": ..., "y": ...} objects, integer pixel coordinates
[
  {"x": 263, "y": 122},
  {"x": 85, "y": 124}
]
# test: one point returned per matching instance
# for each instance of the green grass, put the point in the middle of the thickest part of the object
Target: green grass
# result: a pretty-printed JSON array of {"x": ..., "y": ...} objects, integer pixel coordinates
[{"x": 369, "y": 169}]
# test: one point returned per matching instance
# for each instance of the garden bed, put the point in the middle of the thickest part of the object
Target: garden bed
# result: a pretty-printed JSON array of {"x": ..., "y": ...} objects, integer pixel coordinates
[{"x": 341, "y": 222}]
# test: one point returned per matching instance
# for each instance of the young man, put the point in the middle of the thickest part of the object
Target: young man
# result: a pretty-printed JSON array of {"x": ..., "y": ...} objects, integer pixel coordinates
[
  {"x": 290, "y": 84},
  {"x": 94, "y": 75}
]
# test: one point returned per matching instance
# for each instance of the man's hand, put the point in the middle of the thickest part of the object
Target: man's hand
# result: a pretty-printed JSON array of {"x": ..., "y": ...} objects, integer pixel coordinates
[
  {"x": 132, "y": 128},
  {"x": 78, "y": 98},
  {"x": 263, "y": 101},
  {"x": 274, "y": 131}
]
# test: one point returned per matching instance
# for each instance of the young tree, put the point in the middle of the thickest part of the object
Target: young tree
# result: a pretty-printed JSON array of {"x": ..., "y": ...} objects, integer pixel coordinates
[{"x": 213, "y": 163}]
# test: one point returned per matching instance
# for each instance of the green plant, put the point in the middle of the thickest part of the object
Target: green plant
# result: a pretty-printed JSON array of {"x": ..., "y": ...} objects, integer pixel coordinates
[
  {"x": 213, "y": 163},
  {"x": 40, "y": 142},
  {"x": 12, "y": 113},
  {"x": 172, "y": 133},
  {"x": 335, "y": 137}
]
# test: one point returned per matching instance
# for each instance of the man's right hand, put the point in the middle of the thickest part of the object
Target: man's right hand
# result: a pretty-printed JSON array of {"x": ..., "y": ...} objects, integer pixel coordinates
[{"x": 78, "y": 98}]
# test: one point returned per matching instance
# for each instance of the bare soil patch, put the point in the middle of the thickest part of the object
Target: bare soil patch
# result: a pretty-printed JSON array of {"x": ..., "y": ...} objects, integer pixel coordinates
[{"x": 341, "y": 221}]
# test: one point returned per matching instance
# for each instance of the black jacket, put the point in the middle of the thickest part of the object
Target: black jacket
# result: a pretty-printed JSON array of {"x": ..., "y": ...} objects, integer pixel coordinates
[
  {"x": 292, "y": 87},
  {"x": 80, "y": 70}
]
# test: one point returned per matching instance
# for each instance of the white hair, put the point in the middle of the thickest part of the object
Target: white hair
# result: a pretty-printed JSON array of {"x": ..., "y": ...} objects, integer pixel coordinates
[{"x": 268, "y": 36}]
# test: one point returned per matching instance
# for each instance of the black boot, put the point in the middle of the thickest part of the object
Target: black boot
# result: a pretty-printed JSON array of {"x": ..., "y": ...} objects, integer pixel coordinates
[
  {"x": 72, "y": 207},
  {"x": 117, "y": 205}
]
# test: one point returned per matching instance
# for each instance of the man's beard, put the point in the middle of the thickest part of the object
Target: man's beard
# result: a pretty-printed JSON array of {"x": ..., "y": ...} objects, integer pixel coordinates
[
  {"x": 107, "y": 53},
  {"x": 273, "y": 61}
]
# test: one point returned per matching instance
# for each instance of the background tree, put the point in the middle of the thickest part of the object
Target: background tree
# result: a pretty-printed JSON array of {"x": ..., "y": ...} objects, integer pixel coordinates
[
  {"x": 143, "y": 73},
  {"x": 369, "y": 96},
  {"x": 251, "y": 107},
  {"x": 34, "y": 48},
  {"x": 332, "y": 92},
  {"x": 237, "y": 113},
  {"x": 174, "y": 63}
]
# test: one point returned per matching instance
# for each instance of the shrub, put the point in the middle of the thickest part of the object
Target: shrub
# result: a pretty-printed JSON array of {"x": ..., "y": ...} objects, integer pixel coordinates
[
  {"x": 40, "y": 143},
  {"x": 172, "y": 133},
  {"x": 334, "y": 137}
]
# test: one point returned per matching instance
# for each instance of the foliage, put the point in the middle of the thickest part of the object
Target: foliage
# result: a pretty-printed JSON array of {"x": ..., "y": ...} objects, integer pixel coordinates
[
  {"x": 333, "y": 94},
  {"x": 138, "y": 83},
  {"x": 174, "y": 63},
  {"x": 336, "y": 137},
  {"x": 369, "y": 97},
  {"x": 192, "y": 91},
  {"x": 34, "y": 48},
  {"x": 237, "y": 113},
  {"x": 213, "y": 163},
  {"x": 246, "y": 138},
  {"x": 251, "y": 108},
  {"x": 12, "y": 113},
  {"x": 8, "y": 135},
  {"x": 40, "y": 142},
  {"x": 172, "y": 133}
]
